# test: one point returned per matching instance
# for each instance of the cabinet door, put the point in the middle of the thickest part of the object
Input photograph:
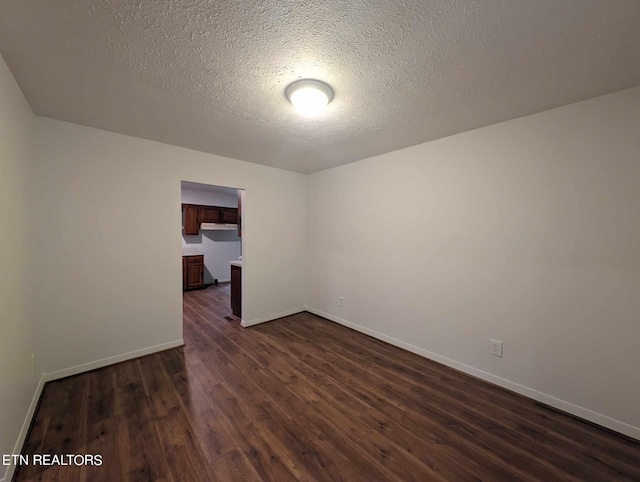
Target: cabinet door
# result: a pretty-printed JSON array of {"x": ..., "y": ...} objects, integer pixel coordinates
[
  {"x": 210, "y": 214},
  {"x": 195, "y": 275},
  {"x": 236, "y": 291},
  {"x": 191, "y": 219},
  {"x": 184, "y": 273},
  {"x": 230, "y": 215}
]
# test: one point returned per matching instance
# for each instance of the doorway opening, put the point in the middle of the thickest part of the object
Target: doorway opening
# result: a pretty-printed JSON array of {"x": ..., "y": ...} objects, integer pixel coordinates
[{"x": 212, "y": 251}]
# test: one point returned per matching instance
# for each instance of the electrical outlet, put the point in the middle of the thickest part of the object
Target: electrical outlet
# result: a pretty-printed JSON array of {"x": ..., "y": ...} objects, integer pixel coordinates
[
  {"x": 33, "y": 363},
  {"x": 341, "y": 301},
  {"x": 496, "y": 348}
]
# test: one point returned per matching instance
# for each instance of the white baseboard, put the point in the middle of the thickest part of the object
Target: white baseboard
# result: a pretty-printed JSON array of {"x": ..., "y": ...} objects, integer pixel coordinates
[
  {"x": 585, "y": 413},
  {"x": 8, "y": 474},
  {"x": 257, "y": 321},
  {"x": 85, "y": 367}
]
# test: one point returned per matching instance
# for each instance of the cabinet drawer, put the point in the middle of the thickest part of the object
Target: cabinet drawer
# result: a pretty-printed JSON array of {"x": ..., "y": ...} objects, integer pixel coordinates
[{"x": 194, "y": 259}]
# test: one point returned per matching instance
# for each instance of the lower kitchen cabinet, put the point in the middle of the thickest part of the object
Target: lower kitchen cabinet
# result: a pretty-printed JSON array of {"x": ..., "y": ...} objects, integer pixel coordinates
[
  {"x": 192, "y": 272},
  {"x": 236, "y": 291}
]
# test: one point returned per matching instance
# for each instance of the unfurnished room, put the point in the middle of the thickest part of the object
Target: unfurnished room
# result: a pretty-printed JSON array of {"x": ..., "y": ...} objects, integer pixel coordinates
[{"x": 319, "y": 240}]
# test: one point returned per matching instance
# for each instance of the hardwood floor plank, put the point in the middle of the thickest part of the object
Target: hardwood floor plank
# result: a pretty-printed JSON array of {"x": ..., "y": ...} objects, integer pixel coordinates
[
  {"x": 442, "y": 436},
  {"x": 307, "y": 383},
  {"x": 181, "y": 447},
  {"x": 280, "y": 396},
  {"x": 260, "y": 405},
  {"x": 461, "y": 408},
  {"x": 104, "y": 437},
  {"x": 142, "y": 446},
  {"x": 507, "y": 423},
  {"x": 302, "y": 398},
  {"x": 219, "y": 446}
]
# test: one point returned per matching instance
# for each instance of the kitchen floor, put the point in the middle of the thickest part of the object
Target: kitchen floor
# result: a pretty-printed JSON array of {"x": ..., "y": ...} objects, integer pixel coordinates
[
  {"x": 214, "y": 299},
  {"x": 302, "y": 398}
]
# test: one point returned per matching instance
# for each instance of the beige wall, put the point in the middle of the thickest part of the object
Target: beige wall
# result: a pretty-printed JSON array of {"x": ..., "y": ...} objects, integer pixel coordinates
[
  {"x": 18, "y": 330},
  {"x": 105, "y": 290},
  {"x": 526, "y": 231}
]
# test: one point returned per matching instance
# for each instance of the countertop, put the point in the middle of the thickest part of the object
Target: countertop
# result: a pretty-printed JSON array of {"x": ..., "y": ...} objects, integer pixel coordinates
[{"x": 237, "y": 263}]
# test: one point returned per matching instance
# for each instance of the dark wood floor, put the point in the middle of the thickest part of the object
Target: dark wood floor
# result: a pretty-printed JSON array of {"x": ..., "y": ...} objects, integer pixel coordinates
[{"x": 302, "y": 398}]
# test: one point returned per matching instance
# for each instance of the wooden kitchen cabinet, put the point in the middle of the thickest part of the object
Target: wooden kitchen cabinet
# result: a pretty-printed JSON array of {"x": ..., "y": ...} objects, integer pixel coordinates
[
  {"x": 192, "y": 272},
  {"x": 236, "y": 291},
  {"x": 191, "y": 220},
  {"x": 184, "y": 273},
  {"x": 229, "y": 215},
  {"x": 215, "y": 214},
  {"x": 194, "y": 215},
  {"x": 210, "y": 214}
]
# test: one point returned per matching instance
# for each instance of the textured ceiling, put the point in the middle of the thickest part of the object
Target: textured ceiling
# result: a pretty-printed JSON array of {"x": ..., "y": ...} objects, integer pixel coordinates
[{"x": 210, "y": 75}]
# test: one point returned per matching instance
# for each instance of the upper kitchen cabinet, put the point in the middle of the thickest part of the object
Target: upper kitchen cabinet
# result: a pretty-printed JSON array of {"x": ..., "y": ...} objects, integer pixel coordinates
[
  {"x": 210, "y": 214},
  {"x": 195, "y": 214},
  {"x": 230, "y": 215},
  {"x": 191, "y": 218},
  {"x": 220, "y": 215}
]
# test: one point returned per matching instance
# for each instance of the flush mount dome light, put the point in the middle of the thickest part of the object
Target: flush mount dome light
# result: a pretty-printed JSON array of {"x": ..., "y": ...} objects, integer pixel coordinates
[{"x": 309, "y": 96}]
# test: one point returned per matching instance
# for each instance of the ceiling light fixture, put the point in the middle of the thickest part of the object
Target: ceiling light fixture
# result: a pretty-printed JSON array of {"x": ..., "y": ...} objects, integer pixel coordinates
[{"x": 309, "y": 96}]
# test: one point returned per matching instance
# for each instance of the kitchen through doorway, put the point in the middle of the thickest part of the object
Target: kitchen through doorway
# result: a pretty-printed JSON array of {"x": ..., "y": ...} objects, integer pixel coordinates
[{"x": 212, "y": 250}]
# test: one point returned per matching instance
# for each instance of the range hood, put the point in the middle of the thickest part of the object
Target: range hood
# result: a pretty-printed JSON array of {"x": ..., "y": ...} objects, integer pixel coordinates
[{"x": 218, "y": 227}]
